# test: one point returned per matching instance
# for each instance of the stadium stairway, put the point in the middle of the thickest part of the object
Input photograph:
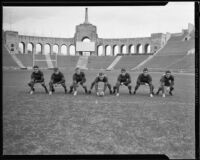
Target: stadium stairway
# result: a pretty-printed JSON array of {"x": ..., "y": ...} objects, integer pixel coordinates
[
  {"x": 49, "y": 61},
  {"x": 99, "y": 62},
  {"x": 82, "y": 62},
  {"x": 173, "y": 52},
  {"x": 130, "y": 61},
  {"x": 11, "y": 60},
  {"x": 112, "y": 65}
]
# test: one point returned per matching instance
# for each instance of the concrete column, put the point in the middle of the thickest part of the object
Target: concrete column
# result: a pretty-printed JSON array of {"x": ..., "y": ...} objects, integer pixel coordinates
[
  {"x": 68, "y": 50},
  {"x": 59, "y": 50},
  {"x": 120, "y": 49},
  {"x": 42, "y": 45},
  {"x": 51, "y": 49},
  {"x": 111, "y": 50},
  {"x": 96, "y": 50},
  {"x": 34, "y": 48},
  {"x": 143, "y": 49},
  {"x": 25, "y": 48},
  {"x": 104, "y": 51}
]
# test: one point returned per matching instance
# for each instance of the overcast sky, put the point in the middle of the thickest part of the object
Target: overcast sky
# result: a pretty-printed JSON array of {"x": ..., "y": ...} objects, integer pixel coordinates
[{"x": 111, "y": 22}]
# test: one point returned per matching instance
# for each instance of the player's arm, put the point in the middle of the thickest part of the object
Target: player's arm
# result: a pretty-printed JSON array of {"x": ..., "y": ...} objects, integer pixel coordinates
[
  {"x": 42, "y": 76},
  {"x": 128, "y": 79},
  {"x": 106, "y": 79},
  {"x": 150, "y": 79},
  {"x": 32, "y": 77},
  {"x": 83, "y": 79},
  {"x": 93, "y": 83},
  {"x": 62, "y": 78},
  {"x": 119, "y": 78},
  {"x": 139, "y": 79},
  {"x": 52, "y": 78},
  {"x": 74, "y": 78},
  {"x": 172, "y": 81},
  {"x": 162, "y": 80}
]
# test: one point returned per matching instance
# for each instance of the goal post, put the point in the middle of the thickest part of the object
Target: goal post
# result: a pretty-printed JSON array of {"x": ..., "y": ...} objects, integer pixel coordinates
[{"x": 45, "y": 60}]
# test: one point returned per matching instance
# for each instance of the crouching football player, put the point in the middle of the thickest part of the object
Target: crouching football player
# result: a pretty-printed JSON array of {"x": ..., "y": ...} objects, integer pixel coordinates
[
  {"x": 167, "y": 80},
  {"x": 144, "y": 79},
  {"x": 100, "y": 78},
  {"x": 78, "y": 78},
  {"x": 123, "y": 79},
  {"x": 37, "y": 77},
  {"x": 57, "y": 78}
]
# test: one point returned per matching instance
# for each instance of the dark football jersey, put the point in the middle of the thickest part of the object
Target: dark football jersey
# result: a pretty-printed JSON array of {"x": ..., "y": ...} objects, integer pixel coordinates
[
  {"x": 124, "y": 78},
  {"x": 166, "y": 80},
  {"x": 79, "y": 77},
  {"x": 105, "y": 79},
  {"x": 144, "y": 79},
  {"x": 37, "y": 76},
  {"x": 57, "y": 77}
]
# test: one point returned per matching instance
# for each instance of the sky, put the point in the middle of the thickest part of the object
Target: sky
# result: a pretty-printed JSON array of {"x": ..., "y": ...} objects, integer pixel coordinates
[{"x": 111, "y": 22}]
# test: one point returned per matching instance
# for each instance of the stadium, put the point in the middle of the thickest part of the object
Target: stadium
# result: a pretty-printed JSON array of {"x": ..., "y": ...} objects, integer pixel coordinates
[{"x": 88, "y": 124}]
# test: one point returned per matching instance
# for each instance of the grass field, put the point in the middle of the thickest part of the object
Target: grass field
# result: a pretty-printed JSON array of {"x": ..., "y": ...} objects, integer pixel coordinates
[{"x": 87, "y": 124}]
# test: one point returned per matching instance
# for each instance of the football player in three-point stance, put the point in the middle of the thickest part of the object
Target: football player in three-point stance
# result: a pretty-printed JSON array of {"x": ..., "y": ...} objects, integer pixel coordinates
[
  {"x": 57, "y": 78},
  {"x": 100, "y": 78},
  {"x": 37, "y": 77},
  {"x": 144, "y": 79},
  {"x": 123, "y": 79},
  {"x": 78, "y": 78},
  {"x": 167, "y": 80}
]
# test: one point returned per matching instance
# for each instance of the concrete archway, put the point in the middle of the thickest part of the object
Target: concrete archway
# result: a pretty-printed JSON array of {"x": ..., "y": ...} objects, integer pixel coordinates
[
  {"x": 123, "y": 49},
  {"x": 131, "y": 49},
  {"x": 86, "y": 39},
  {"x": 47, "y": 49},
  {"x": 30, "y": 47},
  {"x": 21, "y": 47},
  {"x": 139, "y": 49},
  {"x": 38, "y": 48},
  {"x": 55, "y": 49},
  {"x": 115, "y": 50},
  {"x": 100, "y": 50},
  {"x": 64, "y": 49},
  {"x": 147, "y": 48},
  {"x": 108, "y": 50},
  {"x": 72, "y": 50}
]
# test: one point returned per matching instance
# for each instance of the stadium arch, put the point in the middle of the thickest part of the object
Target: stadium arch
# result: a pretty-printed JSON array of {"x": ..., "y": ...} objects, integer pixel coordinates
[
  {"x": 22, "y": 48},
  {"x": 139, "y": 48}
]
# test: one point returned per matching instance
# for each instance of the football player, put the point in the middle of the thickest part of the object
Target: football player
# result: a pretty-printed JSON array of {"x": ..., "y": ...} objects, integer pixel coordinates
[
  {"x": 123, "y": 79},
  {"x": 100, "y": 78},
  {"x": 78, "y": 78},
  {"x": 57, "y": 78},
  {"x": 167, "y": 80},
  {"x": 144, "y": 79},
  {"x": 37, "y": 77}
]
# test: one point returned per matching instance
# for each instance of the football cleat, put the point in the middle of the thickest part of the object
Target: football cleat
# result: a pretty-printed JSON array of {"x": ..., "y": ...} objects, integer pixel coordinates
[
  {"x": 97, "y": 93},
  {"x": 163, "y": 95},
  {"x": 151, "y": 95},
  {"x": 117, "y": 94},
  {"x": 31, "y": 92},
  {"x": 170, "y": 93},
  {"x": 75, "y": 93},
  {"x": 50, "y": 92}
]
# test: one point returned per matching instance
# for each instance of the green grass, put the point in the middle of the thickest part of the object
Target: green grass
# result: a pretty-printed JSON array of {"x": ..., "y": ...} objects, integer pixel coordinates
[{"x": 87, "y": 124}]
